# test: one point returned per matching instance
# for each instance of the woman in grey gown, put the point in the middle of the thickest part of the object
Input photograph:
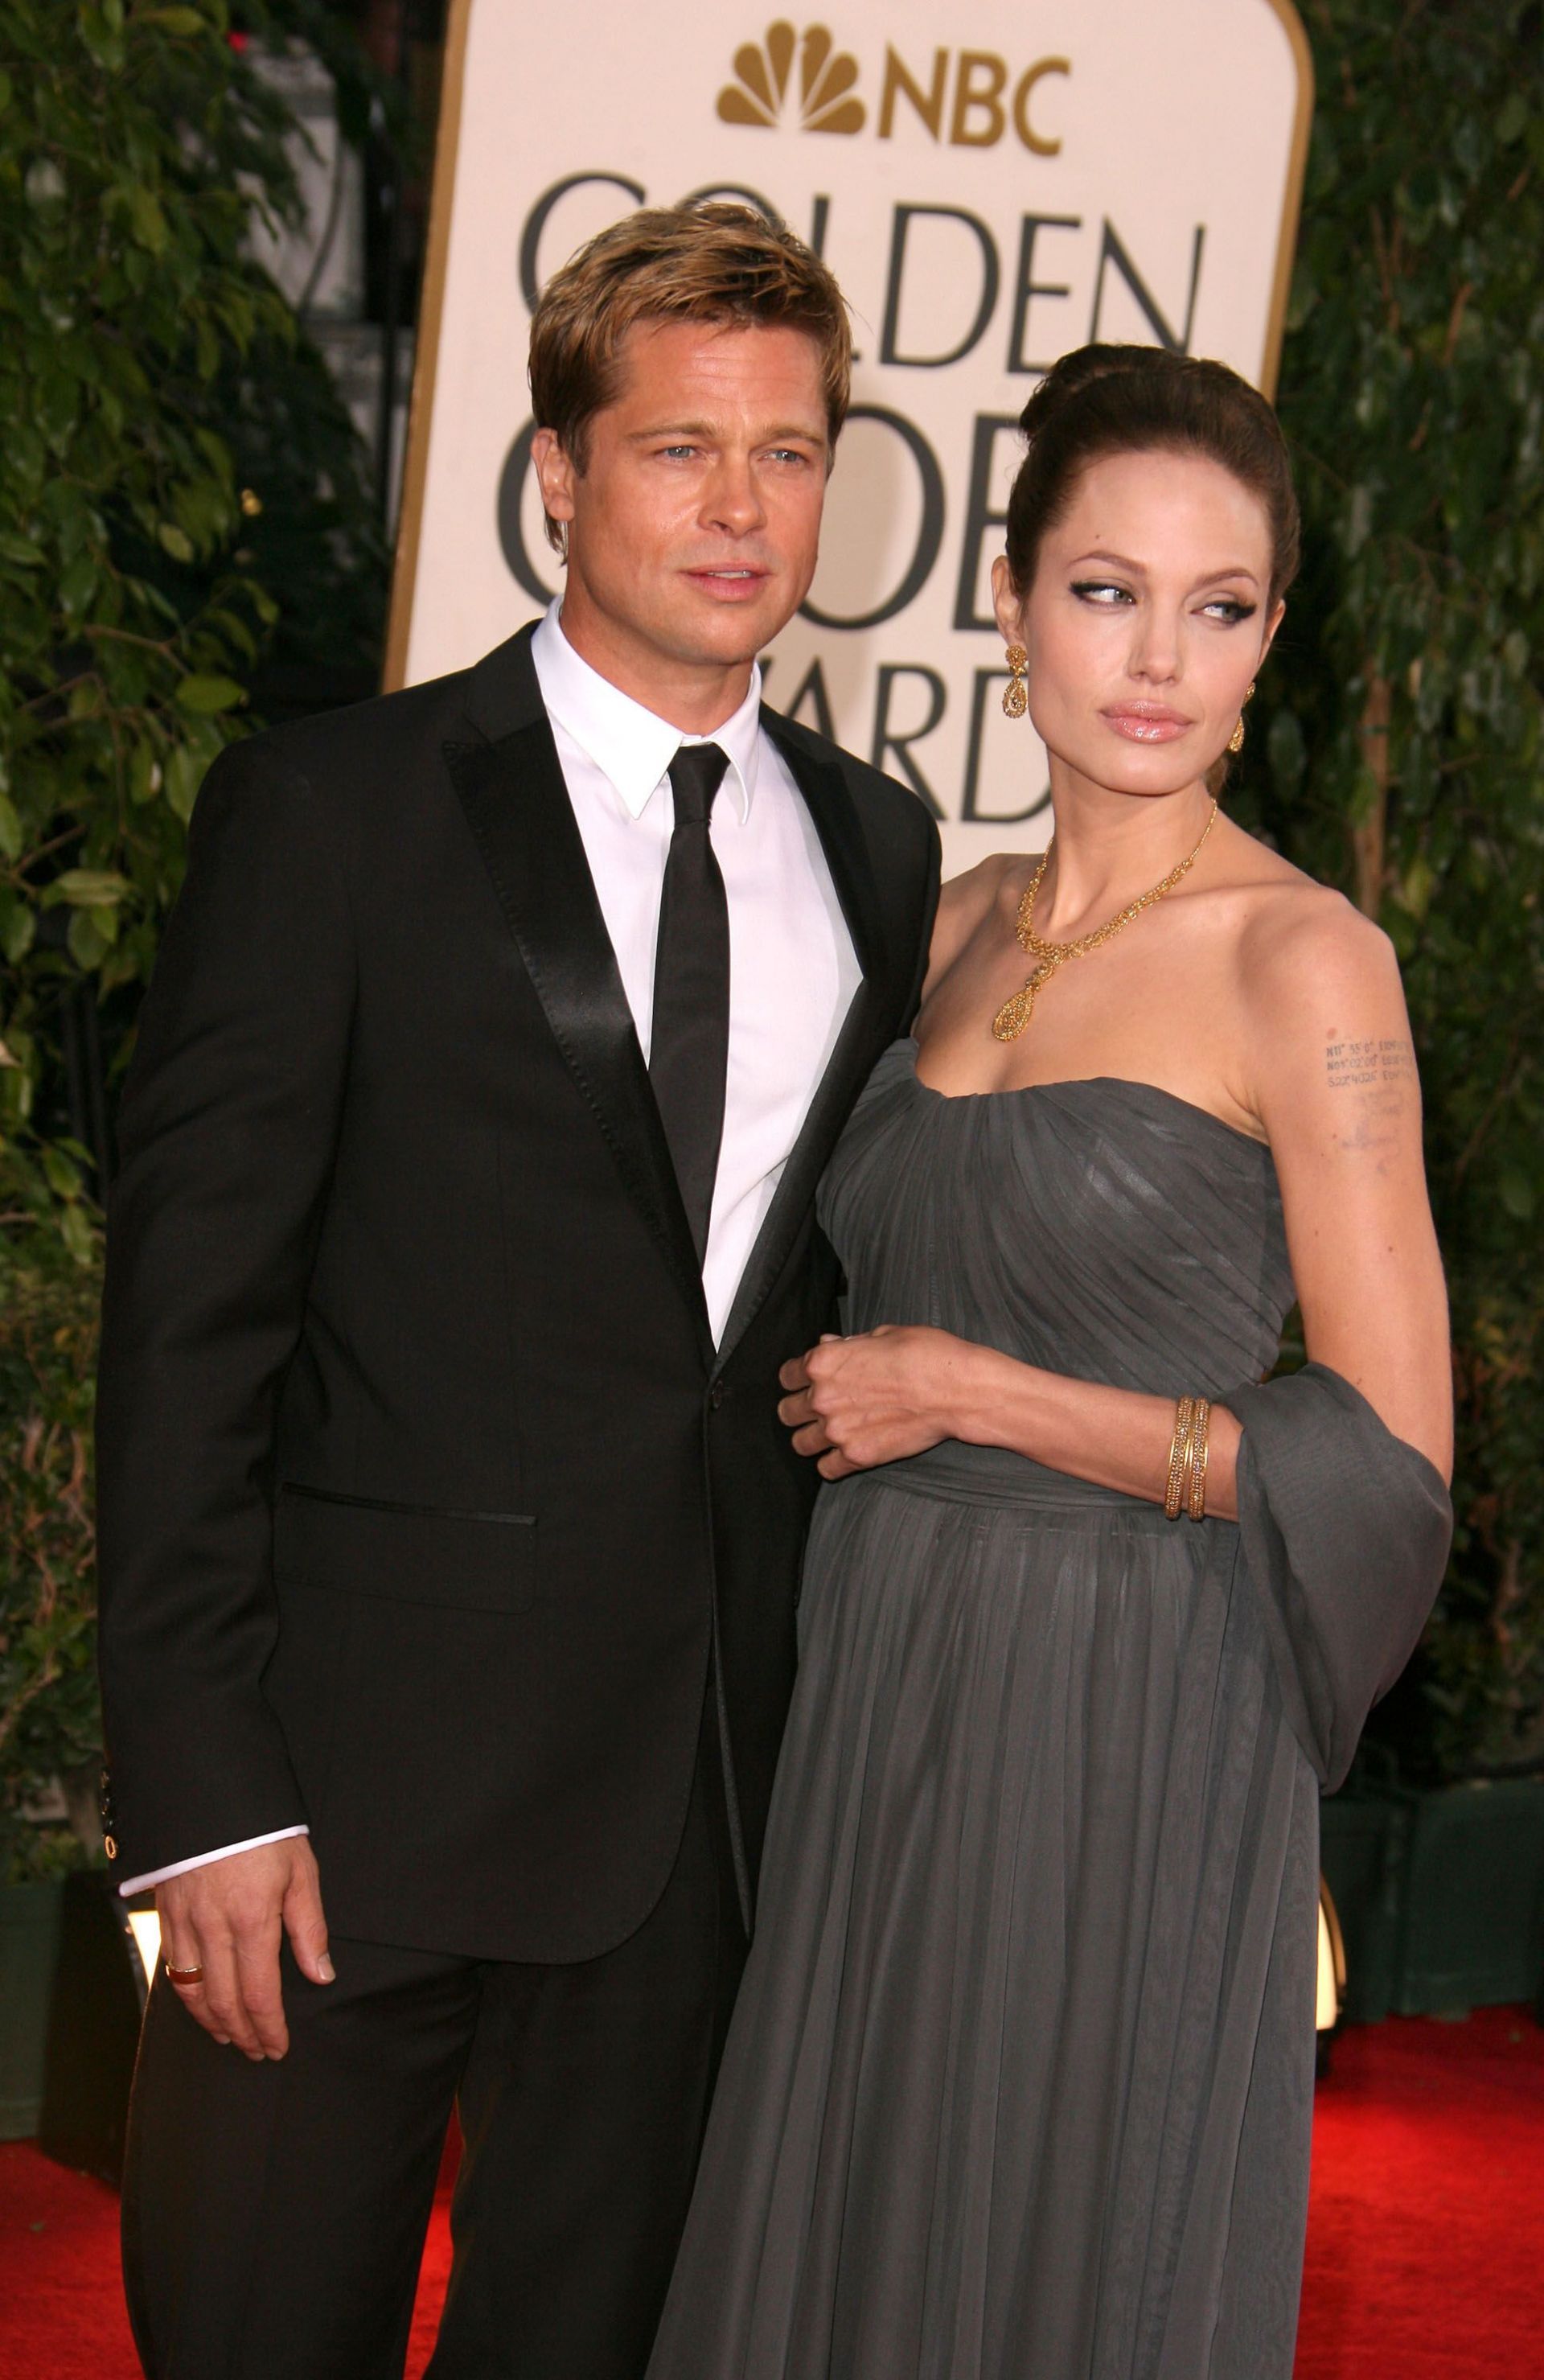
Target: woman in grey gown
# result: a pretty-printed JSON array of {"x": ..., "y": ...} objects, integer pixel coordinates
[{"x": 1019, "y": 2084}]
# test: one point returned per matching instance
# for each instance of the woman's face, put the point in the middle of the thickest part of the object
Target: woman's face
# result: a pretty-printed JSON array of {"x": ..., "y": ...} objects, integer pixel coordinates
[{"x": 1146, "y": 621}]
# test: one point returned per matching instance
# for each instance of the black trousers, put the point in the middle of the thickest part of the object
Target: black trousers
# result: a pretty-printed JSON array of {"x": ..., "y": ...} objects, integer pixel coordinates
[{"x": 274, "y": 2214}]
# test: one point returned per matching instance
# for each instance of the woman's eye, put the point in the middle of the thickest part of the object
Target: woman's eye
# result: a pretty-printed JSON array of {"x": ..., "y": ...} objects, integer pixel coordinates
[
  {"x": 1229, "y": 608},
  {"x": 1101, "y": 590}
]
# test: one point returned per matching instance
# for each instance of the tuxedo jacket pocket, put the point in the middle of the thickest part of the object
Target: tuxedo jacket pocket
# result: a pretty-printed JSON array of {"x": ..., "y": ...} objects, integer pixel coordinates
[{"x": 404, "y": 1553}]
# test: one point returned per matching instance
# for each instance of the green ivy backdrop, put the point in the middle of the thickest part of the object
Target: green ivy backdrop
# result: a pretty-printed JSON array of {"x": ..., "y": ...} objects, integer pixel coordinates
[
  {"x": 1397, "y": 748},
  {"x": 182, "y": 499},
  {"x": 178, "y": 488}
]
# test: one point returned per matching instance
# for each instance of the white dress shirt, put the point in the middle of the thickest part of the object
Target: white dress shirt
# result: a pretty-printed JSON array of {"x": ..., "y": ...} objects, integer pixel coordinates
[{"x": 792, "y": 967}]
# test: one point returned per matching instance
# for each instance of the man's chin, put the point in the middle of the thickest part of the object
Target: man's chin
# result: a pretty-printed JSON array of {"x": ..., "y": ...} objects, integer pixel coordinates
[{"x": 724, "y": 636}]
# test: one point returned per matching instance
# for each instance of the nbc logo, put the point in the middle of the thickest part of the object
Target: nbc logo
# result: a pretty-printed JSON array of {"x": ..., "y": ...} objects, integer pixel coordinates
[{"x": 763, "y": 73}]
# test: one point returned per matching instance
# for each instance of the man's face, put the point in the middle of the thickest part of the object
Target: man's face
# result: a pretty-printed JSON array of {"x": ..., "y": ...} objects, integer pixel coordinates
[{"x": 694, "y": 527}]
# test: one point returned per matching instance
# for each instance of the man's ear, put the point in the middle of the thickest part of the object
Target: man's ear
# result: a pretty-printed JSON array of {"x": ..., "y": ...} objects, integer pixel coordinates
[{"x": 554, "y": 475}]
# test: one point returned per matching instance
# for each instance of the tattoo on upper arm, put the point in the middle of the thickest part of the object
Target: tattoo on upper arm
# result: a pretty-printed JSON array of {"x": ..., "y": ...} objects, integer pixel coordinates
[
  {"x": 1379, "y": 1074},
  {"x": 1371, "y": 1066}
]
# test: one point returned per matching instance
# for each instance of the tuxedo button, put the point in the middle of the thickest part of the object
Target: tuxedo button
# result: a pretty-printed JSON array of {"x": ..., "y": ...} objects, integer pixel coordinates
[{"x": 716, "y": 1394}]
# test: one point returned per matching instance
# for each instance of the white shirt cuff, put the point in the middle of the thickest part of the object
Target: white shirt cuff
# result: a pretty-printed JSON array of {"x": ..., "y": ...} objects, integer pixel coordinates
[{"x": 182, "y": 1868}]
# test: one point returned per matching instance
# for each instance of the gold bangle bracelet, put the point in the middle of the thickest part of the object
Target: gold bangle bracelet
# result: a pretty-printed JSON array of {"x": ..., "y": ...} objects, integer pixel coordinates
[
  {"x": 1199, "y": 1449},
  {"x": 1179, "y": 1448}
]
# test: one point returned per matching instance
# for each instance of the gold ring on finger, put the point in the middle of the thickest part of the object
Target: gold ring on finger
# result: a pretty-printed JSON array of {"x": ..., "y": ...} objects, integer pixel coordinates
[{"x": 183, "y": 1974}]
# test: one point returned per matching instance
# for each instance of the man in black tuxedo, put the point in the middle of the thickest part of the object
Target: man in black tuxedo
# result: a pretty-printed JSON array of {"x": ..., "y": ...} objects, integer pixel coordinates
[{"x": 449, "y": 1539}]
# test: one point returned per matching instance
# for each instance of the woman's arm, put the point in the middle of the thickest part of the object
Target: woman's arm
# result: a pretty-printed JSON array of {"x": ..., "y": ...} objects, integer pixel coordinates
[
  {"x": 1332, "y": 1078},
  {"x": 895, "y": 1392},
  {"x": 1333, "y": 1081}
]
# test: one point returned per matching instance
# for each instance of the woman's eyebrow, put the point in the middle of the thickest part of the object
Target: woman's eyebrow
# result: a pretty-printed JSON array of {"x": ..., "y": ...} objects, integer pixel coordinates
[{"x": 1139, "y": 569}]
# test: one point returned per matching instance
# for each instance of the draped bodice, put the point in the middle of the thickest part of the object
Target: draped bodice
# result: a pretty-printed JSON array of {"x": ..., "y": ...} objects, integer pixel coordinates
[{"x": 1102, "y": 1229}]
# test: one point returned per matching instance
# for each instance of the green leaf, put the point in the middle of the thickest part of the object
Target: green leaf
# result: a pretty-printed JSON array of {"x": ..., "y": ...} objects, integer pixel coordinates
[
  {"x": 175, "y": 20},
  {"x": 204, "y": 695},
  {"x": 24, "y": 551},
  {"x": 75, "y": 1229},
  {"x": 77, "y": 585},
  {"x": 1417, "y": 885},
  {"x": 62, "y": 1174},
  {"x": 102, "y": 37},
  {"x": 17, "y": 928},
  {"x": 10, "y": 830},
  {"x": 90, "y": 887},
  {"x": 147, "y": 220},
  {"x": 58, "y": 405},
  {"x": 1516, "y": 1192},
  {"x": 174, "y": 542},
  {"x": 88, "y": 944},
  {"x": 183, "y": 774},
  {"x": 144, "y": 775},
  {"x": 5, "y": 91},
  {"x": 1513, "y": 120}
]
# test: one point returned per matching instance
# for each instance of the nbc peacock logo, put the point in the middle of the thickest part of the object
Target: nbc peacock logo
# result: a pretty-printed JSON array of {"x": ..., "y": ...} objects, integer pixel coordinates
[{"x": 763, "y": 71}]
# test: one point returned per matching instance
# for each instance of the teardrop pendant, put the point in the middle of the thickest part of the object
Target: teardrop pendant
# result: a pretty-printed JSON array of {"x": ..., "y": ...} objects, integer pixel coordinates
[{"x": 1013, "y": 1018}]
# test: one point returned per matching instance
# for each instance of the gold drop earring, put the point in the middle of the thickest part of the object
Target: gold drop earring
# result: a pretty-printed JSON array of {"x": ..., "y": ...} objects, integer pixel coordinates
[
  {"x": 1016, "y": 694},
  {"x": 1236, "y": 741}
]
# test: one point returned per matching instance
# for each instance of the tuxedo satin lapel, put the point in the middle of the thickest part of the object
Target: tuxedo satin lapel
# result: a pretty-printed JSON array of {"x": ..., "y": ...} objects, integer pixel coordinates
[
  {"x": 863, "y": 1034},
  {"x": 518, "y": 806}
]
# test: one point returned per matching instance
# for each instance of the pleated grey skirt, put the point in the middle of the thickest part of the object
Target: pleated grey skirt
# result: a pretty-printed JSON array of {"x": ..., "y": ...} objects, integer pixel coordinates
[{"x": 1019, "y": 2086}]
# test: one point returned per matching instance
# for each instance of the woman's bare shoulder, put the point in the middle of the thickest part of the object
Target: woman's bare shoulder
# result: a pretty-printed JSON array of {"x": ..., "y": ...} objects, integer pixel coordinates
[
  {"x": 1286, "y": 919},
  {"x": 1319, "y": 988},
  {"x": 1292, "y": 921},
  {"x": 977, "y": 888},
  {"x": 968, "y": 899}
]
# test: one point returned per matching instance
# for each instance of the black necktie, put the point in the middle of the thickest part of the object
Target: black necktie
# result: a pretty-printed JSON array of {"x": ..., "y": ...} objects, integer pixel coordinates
[{"x": 689, "y": 1053}]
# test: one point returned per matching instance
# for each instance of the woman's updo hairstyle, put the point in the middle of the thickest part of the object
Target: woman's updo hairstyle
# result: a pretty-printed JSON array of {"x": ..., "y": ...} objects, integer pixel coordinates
[{"x": 1127, "y": 400}]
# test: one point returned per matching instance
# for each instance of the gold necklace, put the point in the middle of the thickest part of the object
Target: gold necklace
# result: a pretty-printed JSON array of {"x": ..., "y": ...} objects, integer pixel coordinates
[{"x": 1015, "y": 1015}]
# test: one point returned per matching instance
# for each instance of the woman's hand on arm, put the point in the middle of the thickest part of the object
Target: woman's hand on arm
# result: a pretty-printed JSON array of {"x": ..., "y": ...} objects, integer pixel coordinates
[
  {"x": 878, "y": 1397},
  {"x": 1334, "y": 1084},
  {"x": 892, "y": 1392}
]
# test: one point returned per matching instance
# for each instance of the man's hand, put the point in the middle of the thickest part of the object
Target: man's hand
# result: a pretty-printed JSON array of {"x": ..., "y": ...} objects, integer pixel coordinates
[
  {"x": 876, "y": 1398},
  {"x": 230, "y": 1918}
]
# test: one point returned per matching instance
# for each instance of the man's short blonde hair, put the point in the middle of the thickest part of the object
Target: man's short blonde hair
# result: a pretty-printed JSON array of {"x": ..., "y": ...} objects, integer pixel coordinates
[{"x": 712, "y": 262}]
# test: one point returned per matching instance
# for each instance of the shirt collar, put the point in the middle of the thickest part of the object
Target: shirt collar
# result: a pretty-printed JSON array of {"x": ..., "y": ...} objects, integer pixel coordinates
[{"x": 632, "y": 747}]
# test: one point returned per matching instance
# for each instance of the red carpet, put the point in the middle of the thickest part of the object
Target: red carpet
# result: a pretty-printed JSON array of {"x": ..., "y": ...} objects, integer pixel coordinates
[
  {"x": 1426, "y": 2241},
  {"x": 1426, "y": 2229}
]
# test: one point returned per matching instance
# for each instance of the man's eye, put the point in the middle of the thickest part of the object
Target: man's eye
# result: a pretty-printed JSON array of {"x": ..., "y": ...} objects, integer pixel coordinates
[
  {"x": 787, "y": 455},
  {"x": 1101, "y": 590},
  {"x": 685, "y": 451}
]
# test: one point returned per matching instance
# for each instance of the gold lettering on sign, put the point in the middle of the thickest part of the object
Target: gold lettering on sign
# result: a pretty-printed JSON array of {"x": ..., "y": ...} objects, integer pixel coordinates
[
  {"x": 898, "y": 78},
  {"x": 978, "y": 81},
  {"x": 978, "y": 118},
  {"x": 1032, "y": 140}
]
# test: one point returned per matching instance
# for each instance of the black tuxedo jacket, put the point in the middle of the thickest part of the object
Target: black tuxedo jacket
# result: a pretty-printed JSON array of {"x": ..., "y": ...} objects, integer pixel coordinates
[{"x": 426, "y": 1502}]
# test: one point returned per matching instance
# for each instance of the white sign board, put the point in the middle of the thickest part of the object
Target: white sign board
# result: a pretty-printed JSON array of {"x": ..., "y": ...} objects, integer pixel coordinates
[{"x": 993, "y": 184}]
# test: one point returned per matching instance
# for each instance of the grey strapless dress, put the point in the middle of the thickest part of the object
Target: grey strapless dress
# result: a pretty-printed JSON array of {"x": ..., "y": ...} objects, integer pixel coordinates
[{"x": 1019, "y": 2085}]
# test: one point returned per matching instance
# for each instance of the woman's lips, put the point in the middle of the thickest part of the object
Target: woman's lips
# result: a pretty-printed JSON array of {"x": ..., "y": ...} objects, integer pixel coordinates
[{"x": 1148, "y": 726}]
